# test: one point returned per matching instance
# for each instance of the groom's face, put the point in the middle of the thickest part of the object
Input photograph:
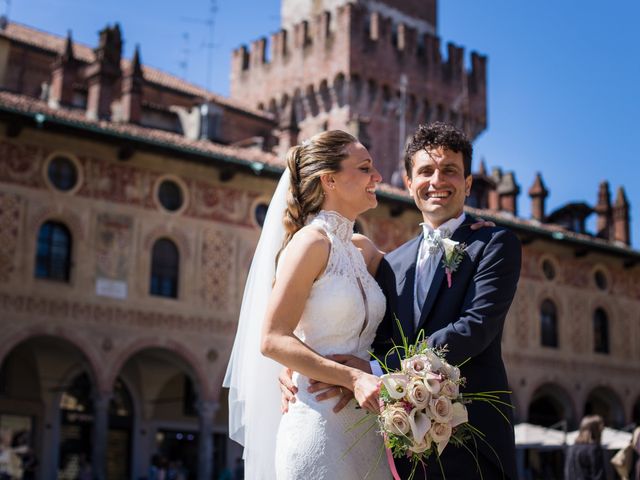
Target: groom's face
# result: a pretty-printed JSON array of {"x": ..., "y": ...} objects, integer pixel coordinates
[{"x": 438, "y": 185}]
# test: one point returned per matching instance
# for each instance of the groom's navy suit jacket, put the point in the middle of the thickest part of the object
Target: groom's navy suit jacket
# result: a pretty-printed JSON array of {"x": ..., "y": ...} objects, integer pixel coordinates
[{"x": 468, "y": 317}]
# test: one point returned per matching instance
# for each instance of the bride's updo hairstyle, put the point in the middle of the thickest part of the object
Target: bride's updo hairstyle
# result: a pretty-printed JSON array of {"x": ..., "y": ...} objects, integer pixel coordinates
[{"x": 307, "y": 162}]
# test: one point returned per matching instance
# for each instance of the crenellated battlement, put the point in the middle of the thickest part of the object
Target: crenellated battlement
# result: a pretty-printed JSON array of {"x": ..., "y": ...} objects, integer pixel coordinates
[
  {"x": 357, "y": 68},
  {"x": 323, "y": 35}
]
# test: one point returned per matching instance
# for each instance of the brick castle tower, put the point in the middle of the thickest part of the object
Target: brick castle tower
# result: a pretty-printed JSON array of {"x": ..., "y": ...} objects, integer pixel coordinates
[{"x": 371, "y": 67}]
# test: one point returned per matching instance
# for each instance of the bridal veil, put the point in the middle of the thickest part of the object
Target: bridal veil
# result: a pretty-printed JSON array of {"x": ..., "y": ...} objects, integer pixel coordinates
[{"x": 252, "y": 379}]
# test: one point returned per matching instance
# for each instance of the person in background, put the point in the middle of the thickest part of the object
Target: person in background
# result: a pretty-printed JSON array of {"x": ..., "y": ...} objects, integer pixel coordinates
[
  {"x": 585, "y": 458},
  {"x": 636, "y": 447},
  {"x": 10, "y": 464},
  {"x": 21, "y": 445}
]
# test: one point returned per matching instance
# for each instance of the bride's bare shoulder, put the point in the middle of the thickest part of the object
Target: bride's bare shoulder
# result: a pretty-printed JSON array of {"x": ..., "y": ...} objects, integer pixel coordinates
[{"x": 309, "y": 244}]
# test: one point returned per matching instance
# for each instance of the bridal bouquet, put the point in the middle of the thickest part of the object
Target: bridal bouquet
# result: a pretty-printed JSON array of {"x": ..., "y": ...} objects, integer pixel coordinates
[{"x": 421, "y": 407}]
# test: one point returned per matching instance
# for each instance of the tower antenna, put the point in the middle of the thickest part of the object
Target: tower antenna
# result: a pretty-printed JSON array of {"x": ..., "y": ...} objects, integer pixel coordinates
[
  {"x": 210, "y": 22},
  {"x": 186, "y": 51}
]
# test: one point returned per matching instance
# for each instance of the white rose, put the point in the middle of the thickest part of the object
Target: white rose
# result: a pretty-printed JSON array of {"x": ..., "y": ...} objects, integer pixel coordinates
[
  {"x": 440, "y": 433},
  {"x": 418, "y": 394},
  {"x": 396, "y": 420},
  {"x": 396, "y": 384},
  {"x": 449, "y": 389},
  {"x": 441, "y": 409},
  {"x": 460, "y": 414}
]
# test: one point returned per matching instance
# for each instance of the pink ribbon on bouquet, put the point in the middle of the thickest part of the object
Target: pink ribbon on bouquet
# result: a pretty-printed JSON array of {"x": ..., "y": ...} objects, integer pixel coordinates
[{"x": 391, "y": 461}]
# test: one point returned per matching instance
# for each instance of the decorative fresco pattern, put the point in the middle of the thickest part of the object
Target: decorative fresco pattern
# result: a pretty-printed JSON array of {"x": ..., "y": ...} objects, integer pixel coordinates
[
  {"x": 219, "y": 270},
  {"x": 10, "y": 208},
  {"x": 113, "y": 246},
  {"x": 127, "y": 184},
  {"x": 83, "y": 312}
]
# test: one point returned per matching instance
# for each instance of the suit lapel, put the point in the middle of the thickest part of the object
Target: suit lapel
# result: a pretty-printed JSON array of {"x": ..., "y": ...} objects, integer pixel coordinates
[
  {"x": 460, "y": 235},
  {"x": 405, "y": 287}
]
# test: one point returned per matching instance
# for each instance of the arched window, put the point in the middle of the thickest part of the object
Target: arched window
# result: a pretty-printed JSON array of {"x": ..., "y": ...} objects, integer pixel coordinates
[
  {"x": 165, "y": 266},
  {"x": 548, "y": 324},
  {"x": 53, "y": 254},
  {"x": 600, "y": 331}
]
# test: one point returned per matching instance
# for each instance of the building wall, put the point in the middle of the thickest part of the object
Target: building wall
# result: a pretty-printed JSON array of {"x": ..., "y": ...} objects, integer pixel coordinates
[
  {"x": 573, "y": 371},
  {"x": 151, "y": 342}
]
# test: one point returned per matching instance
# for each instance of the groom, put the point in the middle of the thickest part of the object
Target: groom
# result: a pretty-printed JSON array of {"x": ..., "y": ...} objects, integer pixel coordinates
[{"x": 468, "y": 315}]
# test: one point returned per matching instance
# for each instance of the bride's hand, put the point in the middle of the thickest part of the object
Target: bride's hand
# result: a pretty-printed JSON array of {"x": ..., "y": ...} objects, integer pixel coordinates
[{"x": 366, "y": 389}]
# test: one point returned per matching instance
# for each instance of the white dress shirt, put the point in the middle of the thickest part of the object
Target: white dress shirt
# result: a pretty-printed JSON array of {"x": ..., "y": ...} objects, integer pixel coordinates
[{"x": 427, "y": 262}]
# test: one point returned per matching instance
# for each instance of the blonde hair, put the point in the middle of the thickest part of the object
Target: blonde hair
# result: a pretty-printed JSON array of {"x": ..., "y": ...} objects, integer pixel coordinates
[
  {"x": 320, "y": 155},
  {"x": 591, "y": 428}
]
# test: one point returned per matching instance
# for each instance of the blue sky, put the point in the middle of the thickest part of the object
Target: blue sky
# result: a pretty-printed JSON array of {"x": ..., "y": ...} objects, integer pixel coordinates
[{"x": 563, "y": 74}]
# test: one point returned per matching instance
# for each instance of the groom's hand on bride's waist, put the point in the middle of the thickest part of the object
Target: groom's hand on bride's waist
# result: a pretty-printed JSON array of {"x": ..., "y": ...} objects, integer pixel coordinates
[
  {"x": 328, "y": 391},
  {"x": 287, "y": 388},
  {"x": 288, "y": 391}
]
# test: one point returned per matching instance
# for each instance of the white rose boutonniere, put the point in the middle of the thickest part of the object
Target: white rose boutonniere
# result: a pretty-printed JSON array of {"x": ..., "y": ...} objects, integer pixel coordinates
[{"x": 452, "y": 254}]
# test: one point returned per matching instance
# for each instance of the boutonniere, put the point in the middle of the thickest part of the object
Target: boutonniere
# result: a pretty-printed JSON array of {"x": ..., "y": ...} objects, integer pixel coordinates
[{"x": 452, "y": 254}]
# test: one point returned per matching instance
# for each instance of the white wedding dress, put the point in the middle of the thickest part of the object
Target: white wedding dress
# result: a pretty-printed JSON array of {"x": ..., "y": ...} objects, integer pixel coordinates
[{"x": 342, "y": 314}]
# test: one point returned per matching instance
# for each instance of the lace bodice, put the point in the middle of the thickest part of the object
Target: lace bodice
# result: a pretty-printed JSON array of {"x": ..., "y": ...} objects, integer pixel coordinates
[{"x": 345, "y": 304}]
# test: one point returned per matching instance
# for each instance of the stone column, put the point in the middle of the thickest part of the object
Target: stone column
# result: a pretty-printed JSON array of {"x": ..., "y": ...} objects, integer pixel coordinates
[
  {"x": 206, "y": 413},
  {"x": 50, "y": 446},
  {"x": 101, "y": 402}
]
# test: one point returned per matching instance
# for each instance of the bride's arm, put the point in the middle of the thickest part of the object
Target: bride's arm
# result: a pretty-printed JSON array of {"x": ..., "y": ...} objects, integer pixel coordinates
[{"x": 306, "y": 259}]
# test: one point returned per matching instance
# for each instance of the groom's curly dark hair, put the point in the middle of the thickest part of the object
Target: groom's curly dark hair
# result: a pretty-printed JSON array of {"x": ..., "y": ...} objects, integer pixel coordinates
[{"x": 439, "y": 134}]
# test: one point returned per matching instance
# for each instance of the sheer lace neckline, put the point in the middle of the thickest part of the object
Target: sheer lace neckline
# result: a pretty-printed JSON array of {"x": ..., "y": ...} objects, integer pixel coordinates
[{"x": 338, "y": 225}]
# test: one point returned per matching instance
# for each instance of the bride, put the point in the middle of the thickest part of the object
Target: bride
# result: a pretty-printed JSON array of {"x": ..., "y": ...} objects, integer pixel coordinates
[{"x": 320, "y": 300}]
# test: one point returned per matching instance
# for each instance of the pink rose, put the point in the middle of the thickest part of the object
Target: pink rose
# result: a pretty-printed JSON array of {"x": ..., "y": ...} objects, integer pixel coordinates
[
  {"x": 441, "y": 409},
  {"x": 440, "y": 433},
  {"x": 418, "y": 394},
  {"x": 417, "y": 365},
  {"x": 395, "y": 420}
]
